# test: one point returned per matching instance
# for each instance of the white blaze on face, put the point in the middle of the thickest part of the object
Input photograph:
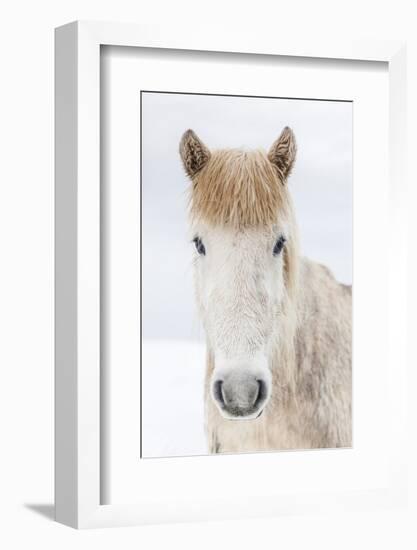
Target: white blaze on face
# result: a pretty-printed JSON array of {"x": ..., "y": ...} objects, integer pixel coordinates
[{"x": 240, "y": 287}]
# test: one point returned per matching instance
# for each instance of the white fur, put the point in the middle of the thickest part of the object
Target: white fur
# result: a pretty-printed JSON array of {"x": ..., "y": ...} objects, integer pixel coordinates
[{"x": 239, "y": 285}]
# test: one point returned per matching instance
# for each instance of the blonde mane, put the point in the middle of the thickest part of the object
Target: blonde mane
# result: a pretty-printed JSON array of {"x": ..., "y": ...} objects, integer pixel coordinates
[{"x": 239, "y": 189}]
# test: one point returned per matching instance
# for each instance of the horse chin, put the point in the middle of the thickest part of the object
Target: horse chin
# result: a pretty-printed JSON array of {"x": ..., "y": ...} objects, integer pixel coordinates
[{"x": 241, "y": 418}]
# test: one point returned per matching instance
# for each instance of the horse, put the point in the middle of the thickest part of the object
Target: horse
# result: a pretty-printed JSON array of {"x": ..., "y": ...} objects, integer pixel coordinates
[{"x": 278, "y": 325}]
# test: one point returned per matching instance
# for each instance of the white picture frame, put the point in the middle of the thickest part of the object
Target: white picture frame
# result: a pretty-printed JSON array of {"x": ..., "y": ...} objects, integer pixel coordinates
[{"x": 77, "y": 409}]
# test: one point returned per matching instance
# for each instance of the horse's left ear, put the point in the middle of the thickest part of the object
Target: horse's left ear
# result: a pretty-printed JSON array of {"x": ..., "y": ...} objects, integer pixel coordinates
[
  {"x": 283, "y": 152},
  {"x": 194, "y": 154}
]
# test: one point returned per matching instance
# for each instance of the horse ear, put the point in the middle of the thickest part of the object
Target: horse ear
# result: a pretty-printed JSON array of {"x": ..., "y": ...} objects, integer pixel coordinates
[
  {"x": 194, "y": 153},
  {"x": 283, "y": 151}
]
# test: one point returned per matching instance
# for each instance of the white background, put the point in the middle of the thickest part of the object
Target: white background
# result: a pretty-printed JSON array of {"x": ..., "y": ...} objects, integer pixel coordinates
[{"x": 26, "y": 218}]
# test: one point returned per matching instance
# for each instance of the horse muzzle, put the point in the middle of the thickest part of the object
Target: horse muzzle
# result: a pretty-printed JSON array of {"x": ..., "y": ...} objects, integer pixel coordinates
[{"x": 241, "y": 393}]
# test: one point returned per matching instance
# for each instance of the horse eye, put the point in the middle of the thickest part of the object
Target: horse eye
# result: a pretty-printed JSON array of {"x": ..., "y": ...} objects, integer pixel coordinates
[
  {"x": 279, "y": 246},
  {"x": 199, "y": 246}
]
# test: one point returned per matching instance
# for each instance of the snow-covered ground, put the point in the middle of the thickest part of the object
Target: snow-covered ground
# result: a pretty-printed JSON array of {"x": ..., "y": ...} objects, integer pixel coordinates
[{"x": 173, "y": 405}]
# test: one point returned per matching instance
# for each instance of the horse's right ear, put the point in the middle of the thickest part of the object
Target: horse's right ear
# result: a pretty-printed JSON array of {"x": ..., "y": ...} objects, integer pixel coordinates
[{"x": 194, "y": 154}]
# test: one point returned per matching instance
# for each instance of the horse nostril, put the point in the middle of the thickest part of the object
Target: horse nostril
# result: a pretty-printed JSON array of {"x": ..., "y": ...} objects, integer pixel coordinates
[
  {"x": 262, "y": 394},
  {"x": 218, "y": 392}
]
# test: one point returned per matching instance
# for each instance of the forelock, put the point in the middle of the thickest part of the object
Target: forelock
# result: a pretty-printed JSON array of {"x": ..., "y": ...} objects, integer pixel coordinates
[{"x": 238, "y": 189}]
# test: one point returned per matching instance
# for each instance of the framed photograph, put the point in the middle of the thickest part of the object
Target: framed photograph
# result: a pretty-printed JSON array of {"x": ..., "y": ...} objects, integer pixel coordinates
[
  {"x": 229, "y": 335},
  {"x": 237, "y": 255}
]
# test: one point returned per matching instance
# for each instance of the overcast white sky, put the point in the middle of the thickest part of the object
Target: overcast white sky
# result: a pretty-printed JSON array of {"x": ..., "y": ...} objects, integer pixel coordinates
[{"x": 321, "y": 186}]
